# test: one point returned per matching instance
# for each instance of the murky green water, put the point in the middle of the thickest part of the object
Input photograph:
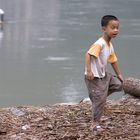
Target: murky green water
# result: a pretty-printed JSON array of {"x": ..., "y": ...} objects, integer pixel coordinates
[{"x": 43, "y": 43}]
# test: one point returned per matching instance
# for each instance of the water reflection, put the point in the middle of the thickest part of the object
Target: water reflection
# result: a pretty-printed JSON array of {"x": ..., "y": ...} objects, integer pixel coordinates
[
  {"x": 70, "y": 93},
  {"x": 1, "y": 34},
  {"x": 27, "y": 26},
  {"x": 42, "y": 47}
]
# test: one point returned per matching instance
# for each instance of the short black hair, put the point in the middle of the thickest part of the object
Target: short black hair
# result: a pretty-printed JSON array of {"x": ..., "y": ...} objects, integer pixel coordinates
[{"x": 105, "y": 19}]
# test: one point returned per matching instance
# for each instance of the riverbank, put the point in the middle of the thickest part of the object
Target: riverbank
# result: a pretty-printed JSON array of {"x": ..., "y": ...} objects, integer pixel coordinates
[{"x": 71, "y": 121}]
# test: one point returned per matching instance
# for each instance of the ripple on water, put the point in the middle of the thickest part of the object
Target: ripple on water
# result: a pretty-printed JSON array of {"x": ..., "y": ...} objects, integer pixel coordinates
[
  {"x": 51, "y": 39},
  {"x": 50, "y": 58},
  {"x": 130, "y": 36}
]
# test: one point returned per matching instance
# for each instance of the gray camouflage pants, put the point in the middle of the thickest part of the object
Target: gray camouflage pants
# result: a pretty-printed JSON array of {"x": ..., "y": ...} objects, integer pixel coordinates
[{"x": 98, "y": 90}]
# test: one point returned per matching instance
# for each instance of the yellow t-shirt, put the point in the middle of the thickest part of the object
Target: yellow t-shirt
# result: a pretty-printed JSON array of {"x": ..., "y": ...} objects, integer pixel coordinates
[{"x": 102, "y": 54}]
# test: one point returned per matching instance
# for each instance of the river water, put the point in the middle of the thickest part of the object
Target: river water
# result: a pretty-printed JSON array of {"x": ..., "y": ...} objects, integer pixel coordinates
[{"x": 43, "y": 45}]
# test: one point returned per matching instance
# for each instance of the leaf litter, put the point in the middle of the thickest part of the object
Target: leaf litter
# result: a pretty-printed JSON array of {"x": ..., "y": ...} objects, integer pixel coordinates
[{"x": 71, "y": 121}]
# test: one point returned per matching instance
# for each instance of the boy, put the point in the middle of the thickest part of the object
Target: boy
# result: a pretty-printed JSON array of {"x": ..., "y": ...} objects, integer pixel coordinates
[{"x": 99, "y": 82}]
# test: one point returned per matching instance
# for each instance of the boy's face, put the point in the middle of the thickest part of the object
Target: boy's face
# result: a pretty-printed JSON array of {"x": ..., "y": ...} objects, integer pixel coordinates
[{"x": 112, "y": 29}]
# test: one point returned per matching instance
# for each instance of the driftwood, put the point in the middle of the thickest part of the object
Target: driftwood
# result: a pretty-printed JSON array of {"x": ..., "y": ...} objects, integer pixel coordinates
[{"x": 132, "y": 86}]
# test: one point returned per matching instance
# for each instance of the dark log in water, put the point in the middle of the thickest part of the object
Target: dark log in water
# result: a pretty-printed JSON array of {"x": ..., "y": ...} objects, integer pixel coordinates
[{"x": 132, "y": 86}]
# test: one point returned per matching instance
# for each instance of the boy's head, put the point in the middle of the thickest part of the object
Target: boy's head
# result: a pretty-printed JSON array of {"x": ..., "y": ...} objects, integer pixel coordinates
[{"x": 110, "y": 25}]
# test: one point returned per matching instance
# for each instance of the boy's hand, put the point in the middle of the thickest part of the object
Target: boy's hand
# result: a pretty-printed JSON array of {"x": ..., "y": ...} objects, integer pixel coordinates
[
  {"x": 89, "y": 75},
  {"x": 120, "y": 78}
]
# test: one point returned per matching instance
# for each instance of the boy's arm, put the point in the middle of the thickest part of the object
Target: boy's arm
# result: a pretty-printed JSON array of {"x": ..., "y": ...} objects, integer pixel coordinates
[
  {"x": 89, "y": 74},
  {"x": 117, "y": 71},
  {"x": 92, "y": 52}
]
